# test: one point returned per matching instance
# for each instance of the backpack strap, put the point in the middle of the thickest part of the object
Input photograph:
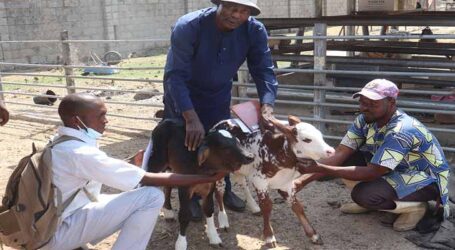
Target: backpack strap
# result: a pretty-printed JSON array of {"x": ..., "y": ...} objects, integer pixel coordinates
[
  {"x": 62, "y": 205},
  {"x": 62, "y": 138}
]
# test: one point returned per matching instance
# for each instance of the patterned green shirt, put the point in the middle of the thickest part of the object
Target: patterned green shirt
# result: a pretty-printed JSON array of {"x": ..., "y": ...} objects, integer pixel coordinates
[{"x": 405, "y": 146}]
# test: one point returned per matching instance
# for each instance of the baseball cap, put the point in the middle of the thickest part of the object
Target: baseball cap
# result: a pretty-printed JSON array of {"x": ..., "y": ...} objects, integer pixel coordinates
[{"x": 378, "y": 89}]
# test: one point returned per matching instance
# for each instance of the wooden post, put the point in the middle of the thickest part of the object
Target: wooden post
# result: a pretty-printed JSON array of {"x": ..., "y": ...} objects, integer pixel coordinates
[
  {"x": 66, "y": 55},
  {"x": 320, "y": 50}
]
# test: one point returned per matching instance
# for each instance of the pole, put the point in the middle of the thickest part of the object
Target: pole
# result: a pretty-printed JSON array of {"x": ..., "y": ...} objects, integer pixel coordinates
[
  {"x": 350, "y": 30},
  {"x": 239, "y": 91},
  {"x": 66, "y": 55},
  {"x": 320, "y": 50}
]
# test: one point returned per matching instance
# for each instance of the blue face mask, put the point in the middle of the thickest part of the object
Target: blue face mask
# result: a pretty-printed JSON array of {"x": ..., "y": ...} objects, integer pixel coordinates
[{"x": 89, "y": 131}]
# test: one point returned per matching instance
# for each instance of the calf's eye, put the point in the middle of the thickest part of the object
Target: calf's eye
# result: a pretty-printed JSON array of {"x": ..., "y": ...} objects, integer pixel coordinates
[{"x": 306, "y": 140}]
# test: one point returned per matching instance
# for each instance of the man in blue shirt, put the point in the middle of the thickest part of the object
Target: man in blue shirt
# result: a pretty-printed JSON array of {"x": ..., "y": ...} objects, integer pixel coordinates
[
  {"x": 207, "y": 49},
  {"x": 406, "y": 166}
]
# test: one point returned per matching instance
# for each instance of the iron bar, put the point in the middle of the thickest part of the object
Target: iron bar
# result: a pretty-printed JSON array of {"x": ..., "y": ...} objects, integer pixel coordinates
[
  {"x": 113, "y": 115},
  {"x": 343, "y": 105},
  {"x": 107, "y": 102},
  {"x": 444, "y": 49},
  {"x": 36, "y": 65},
  {"x": 86, "y": 77},
  {"x": 433, "y": 63},
  {"x": 85, "y": 88},
  {"x": 430, "y": 18},
  {"x": 369, "y": 37},
  {"x": 350, "y": 89}
]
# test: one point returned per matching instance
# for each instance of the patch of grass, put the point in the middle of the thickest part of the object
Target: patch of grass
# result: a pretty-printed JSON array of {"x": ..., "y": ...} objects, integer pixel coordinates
[
  {"x": 157, "y": 59},
  {"x": 152, "y": 61}
]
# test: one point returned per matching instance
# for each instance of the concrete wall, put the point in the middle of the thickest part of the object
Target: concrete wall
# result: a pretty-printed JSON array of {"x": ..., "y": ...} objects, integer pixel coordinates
[{"x": 110, "y": 19}]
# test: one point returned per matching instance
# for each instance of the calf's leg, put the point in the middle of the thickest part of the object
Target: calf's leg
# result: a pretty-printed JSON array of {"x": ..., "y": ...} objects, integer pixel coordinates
[
  {"x": 222, "y": 216},
  {"x": 250, "y": 202},
  {"x": 297, "y": 208},
  {"x": 208, "y": 207},
  {"x": 266, "y": 208},
  {"x": 167, "y": 207},
  {"x": 184, "y": 218}
]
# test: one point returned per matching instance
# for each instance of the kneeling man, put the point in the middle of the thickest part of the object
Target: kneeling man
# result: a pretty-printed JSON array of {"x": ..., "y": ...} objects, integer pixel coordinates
[{"x": 390, "y": 160}]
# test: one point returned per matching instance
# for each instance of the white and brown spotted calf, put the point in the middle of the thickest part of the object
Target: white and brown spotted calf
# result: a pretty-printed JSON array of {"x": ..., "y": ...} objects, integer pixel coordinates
[{"x": 274, "y": 166}]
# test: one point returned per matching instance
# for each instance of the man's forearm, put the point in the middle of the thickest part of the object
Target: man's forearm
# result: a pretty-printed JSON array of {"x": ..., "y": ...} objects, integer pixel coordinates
[
  {"x": 171, "y": 179},
  {"x": 354, "y": 173}
]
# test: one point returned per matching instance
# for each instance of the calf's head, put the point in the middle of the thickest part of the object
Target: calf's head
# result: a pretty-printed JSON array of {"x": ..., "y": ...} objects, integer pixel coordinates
[
  {"x": 221, "y": 152},
  {"x": 306, "y": 140}
]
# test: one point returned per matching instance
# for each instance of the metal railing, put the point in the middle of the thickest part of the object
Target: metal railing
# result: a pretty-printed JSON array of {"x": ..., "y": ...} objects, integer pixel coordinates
[{"x": 306, "y": 92}]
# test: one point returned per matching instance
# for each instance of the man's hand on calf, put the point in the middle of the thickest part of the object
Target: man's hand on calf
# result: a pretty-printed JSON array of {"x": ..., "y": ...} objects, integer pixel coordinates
[
  {"x": 194, "y": 130},
  {"x": 266, "y": 117},
  {"x": 306, "y": 166}
]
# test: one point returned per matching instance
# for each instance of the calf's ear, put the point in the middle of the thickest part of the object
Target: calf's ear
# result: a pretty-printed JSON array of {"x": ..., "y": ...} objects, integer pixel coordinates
[
  {"x": 202, "y": 154},
  {"x": 293, "y": 120}
]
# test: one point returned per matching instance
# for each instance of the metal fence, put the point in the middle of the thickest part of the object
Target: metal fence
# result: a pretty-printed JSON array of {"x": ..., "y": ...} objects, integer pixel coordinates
[{"x": 319, "y": 97}]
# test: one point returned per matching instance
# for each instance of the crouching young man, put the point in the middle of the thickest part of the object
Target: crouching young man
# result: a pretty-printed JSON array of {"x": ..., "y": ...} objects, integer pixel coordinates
[
  {"x": 392, "y": 161},
  {"x": 79, "y": 170}
]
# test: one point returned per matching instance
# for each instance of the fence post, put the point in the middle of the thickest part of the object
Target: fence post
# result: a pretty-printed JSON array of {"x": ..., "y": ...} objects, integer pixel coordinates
[
  {"x": 320, "y": 49},
  {"x": 67, "y": 61}
]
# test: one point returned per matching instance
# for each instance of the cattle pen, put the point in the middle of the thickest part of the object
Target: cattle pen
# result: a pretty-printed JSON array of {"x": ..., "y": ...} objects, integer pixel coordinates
[{"x": 318, "y": 92}]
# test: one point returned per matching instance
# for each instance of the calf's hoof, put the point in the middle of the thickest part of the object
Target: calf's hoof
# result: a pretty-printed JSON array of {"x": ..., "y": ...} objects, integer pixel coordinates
[
  {"x": 270, "y": 242},
  {"x": 271, "y": 245},
  {"x": 316, "y": 239},
  {"x": 214, "y": 239},
  {"x": 181, "y": 243},
  {"x": 212, "y": 234}
]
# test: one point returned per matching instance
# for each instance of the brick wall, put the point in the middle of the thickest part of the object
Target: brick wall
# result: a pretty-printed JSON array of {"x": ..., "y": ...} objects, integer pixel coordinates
[{"x": 109, "y": 19}]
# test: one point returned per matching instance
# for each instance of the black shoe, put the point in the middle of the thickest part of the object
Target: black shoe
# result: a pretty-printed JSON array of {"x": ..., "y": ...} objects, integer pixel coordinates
[
  {"x": 233, "y": 202},
  {"x": 196, "y": 210}
]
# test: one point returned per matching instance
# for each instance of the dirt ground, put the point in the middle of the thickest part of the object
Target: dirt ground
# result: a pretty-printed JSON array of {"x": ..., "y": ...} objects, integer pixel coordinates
[{"x": 123, "y": 138}]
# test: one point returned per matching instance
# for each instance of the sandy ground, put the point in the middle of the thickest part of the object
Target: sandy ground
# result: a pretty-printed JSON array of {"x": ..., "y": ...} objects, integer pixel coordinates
[{"x": 123, "y": 138}]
